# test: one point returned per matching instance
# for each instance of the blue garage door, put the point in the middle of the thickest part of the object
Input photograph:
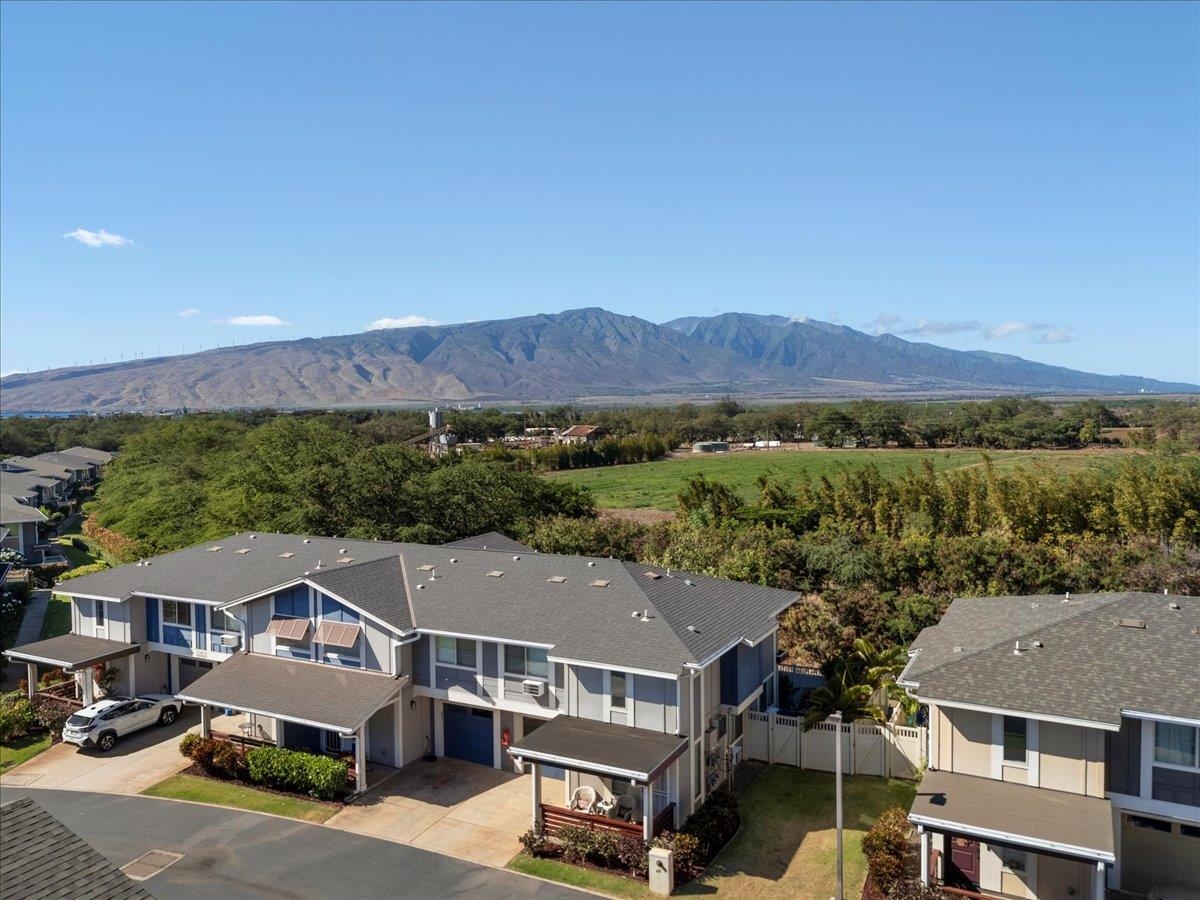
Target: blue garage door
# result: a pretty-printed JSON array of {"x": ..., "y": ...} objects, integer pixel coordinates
[{"x": 468, "y": 733}]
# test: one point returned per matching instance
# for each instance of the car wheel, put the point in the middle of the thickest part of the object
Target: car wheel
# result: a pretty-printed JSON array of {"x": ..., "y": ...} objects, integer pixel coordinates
[
  {"x": 106, "y": 741},
  {"x": 168, "y": 716}
]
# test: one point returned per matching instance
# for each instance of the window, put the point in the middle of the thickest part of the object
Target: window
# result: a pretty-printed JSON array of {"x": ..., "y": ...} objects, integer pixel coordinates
[
  {"x": 99, "y": 613},
  {"x": 1015, "y": 740},
  {"x": 616, "y": 690},
  {"x": 1191, "y": 831},
  {"x": 528, "y": 662},
  {"x": 1176, "y": 745},
  {"x": 456, "y": 652},
  {"x": 293, "y": 603},
  {"x": 1151, "y": 824},
  {"x": 176, "y": 613},
  {"x": 1013, "y": 860},
  {"x": 223, "y": 621}
]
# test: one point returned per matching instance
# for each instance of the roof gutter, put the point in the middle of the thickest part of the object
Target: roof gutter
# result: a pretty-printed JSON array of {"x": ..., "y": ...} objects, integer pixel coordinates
[{"x": 1009, "y": 837}]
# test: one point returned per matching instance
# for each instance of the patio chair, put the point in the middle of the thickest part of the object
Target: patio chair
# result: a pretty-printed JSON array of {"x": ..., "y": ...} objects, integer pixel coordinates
[
  {"x": 626, "y": 804},
  {"x": 583, "y": 799}
]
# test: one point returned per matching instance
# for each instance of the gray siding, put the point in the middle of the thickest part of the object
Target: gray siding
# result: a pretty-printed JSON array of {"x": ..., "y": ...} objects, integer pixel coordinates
[
  {"x": 381, "y": 736},
  {"x": 560, "y": 685},
  {"x": 650, "y": 698},
  {"x": 1123, "y": 758},
  {"x": 1175, "y": 786},
  {"x": 421, "y": 655},
  {"x": 490, "y": 670},
  {"x": 377, "y": 647},
  {"x": 448, "y": 677},
  {"x": 258, "y": 614},
  {"x": 590, "y": 701}
]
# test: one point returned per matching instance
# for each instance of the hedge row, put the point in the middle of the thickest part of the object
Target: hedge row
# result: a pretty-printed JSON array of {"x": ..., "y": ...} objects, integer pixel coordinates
[{"x": 276, "y": 767}]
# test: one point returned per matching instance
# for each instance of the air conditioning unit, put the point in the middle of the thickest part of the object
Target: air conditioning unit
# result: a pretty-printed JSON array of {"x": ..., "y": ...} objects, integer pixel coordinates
[
  {"x": 533, "y": 688},
  {"x": 230, "y": 640}
]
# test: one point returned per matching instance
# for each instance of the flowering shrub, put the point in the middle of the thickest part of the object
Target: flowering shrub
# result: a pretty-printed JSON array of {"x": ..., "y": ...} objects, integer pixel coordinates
[
  {"x": 885, "y": 846},
  {"x": 16, "y": 716}
]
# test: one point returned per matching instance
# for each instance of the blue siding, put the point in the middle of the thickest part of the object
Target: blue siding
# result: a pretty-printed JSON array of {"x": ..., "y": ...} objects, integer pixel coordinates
[
  {"x": 743, "y": 669},
  {"x": 201, "y": 620},
  {"x": 293, "y": 602},
  {"x": 152, "y": 619},
  {"x": 333, "y": 611},
  {"x": 420, "y": 662}
]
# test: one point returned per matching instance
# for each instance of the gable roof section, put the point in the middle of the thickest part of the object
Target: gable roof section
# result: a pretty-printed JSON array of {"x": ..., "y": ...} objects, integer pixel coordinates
[
  {"x": 99, "y": 457},
  {"x": 581, "y": 431},
  {"x": 67, "y": 460},
  {"x": 375, "y": 587},
  {"x": 13, "y": 513},
  {"x": 41, "y": 857},
  {"x": 1089, "y": 667},
  {"x": 41, "y": 467},
  {"x": 25, "y": 484},
  {"x": 490, "y": 540}
]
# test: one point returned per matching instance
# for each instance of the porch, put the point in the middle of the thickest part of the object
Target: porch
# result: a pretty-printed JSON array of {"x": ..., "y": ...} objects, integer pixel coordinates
[
  {"x": 253, "y": 699},
  {"x": 983, "y": 838},
  {"x": 75, "y": 654},
  {"x": 623, "y": 773}
]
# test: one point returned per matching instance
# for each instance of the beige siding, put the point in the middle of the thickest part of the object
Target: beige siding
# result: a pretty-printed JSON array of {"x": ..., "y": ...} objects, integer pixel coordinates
[
  {"x": 1152, "y": 859},
  {"x": 971, "y": 742},
  {"x": 1014, "y": 774},
  {"x": 1071, "y": 759},
  {"x": 1062, "y": 879}
]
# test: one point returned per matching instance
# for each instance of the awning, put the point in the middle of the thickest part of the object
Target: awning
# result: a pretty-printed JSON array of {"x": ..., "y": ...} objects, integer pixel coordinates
[
  {"x": 323, "y": 696},
  {"x": 1015, "y": 814},
  {"x": 72, "y": 652},
  {"x": 589, "y": 746},
  {"x": 288, "y": 629},
  {"x": 337, "y": 634}
]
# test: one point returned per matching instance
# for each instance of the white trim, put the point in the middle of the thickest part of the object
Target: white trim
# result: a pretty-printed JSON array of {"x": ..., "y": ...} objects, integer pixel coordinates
[
  {"x": 462, "y": 697},
  {"x": 259, "y": 712},
  {"x": 1157, "y": 717},
  {"x": 1177, "y": 811},
  {"x": 491, "y": 639},
  {"x": 606, "y": 706},
  {"x": 58, "y": 590},
  {"x": 745, "y": 704},
  {"x": 568, "y": 762},
  {"x": 296, "y": 582},
  {"x": 1041, "y": 717},
  {"x": 1012, "y": 838},
  {"x": 704, "y": 663},
  {"x": 595, "y": 665}
]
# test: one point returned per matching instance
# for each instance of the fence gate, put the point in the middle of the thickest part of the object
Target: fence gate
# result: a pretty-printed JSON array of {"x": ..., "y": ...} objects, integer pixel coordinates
[
  {"x": 785, "y": 740},
  {"x": 758, "y": 736},
  {"x": 867, "y": 749}
]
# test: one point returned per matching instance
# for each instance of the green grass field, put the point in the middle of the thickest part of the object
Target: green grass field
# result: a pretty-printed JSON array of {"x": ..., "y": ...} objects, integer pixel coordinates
[
  {"x": 219, "y": 793},
  {"x": 588, "y": 879},
  {"x": 654, "y": 485}
]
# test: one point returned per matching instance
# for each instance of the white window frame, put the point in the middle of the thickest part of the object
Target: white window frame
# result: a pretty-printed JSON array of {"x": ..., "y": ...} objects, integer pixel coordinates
[
  {"x": 525, "y": 655},
  {"x": 1004, "y": 760},
  {"x": 626, "y": 710},
  {"x": 100, "y": 615},
  {"x": 456, "y": 664},
  {"x": 178, "y": 604},
  {"x": 1195, "y": 767}
]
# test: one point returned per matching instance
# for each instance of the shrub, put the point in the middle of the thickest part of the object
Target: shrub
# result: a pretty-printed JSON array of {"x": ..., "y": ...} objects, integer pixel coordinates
[
  {"x": 713, "y": 823},
  {"x": 632, "y": 855},
  {"x": 578, "y": 842},
  {"x": 52, "y": 677},
  {"x": 50, "y": 713},
  {"x": 229, "y": 762},
  {"x": 16, "y": 716},
  {"x": 79, "y": 543},
  {"x": 292, "y": 770},
  {"x": 45, "y": 576},
  {"x": 536, "y": 842},
  {"x": 187, "y": 743},
  {"x": 684, "y": 848},
  {"x": 885, "y": 846},
  {"x": 203, "y": 752},
  {"x": 89, "y": 569},
  {"x": 606, "y": 849}
]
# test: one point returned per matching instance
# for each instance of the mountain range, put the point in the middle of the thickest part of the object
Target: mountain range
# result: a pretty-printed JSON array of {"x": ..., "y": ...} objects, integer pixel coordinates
[{"x": 575, "y": 354}]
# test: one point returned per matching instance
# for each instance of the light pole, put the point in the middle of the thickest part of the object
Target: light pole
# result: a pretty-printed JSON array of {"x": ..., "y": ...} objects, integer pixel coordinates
[{"x": 836, "y": 719}]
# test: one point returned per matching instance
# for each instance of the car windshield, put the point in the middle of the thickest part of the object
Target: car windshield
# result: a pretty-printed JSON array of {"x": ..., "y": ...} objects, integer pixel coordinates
[{"x": 78, "y": 721}]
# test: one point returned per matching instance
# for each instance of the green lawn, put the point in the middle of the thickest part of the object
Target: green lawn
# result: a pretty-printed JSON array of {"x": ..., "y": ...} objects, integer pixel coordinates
[
  {"x": 78, "y": 557},
  {"x": 588, "y": 879},
  {"x": 655, "y": 484},
  {"x": 22, "y": 749},
  {"x": 220, "y": 793},
  {"x": 58, "y": 617},
  {"x": 786, "y": 847}
]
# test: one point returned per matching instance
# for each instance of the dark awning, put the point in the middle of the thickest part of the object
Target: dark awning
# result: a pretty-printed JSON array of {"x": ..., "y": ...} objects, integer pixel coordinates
[
  {"x": 1015, "y": 814},
  {"x": 306, "y": 693},
  {"x": 589, "y": 746},
  {"x": 72, "y": 652}
]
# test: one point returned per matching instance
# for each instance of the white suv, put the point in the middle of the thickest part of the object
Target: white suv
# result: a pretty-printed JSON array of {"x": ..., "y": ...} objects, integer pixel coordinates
[{"x": 100, "y": 724}]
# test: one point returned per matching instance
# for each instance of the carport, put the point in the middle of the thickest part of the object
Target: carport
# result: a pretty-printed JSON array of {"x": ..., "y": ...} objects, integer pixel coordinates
[
  {"x": 72, "y": 653},
  {"x": 309, "y": 694}
]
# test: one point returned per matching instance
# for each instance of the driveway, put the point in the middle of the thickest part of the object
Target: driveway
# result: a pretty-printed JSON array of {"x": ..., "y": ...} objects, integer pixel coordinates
[
  {"x": 138, "y": 761},
  {"x": 450, "y": 806},
  {"x": 232, "y": 854}
]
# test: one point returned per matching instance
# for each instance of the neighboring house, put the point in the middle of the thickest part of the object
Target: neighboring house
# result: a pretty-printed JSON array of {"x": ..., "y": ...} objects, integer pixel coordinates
[
  {"x": 100, "y": 458},
  {"x": 41, "y": 467},
  {"x": 1064, "y": 745},
  {"x": 396, "y": 651},
  {"x": 33, "y": 489},
  {"x": 41, "y": 857},
  {"x": 82, "y": 469},
  {"x": 581, "y": 434},
  {"x": 21, "y": 525}
]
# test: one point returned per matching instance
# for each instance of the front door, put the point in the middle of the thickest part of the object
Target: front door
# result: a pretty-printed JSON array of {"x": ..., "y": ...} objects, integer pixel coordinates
[{"x": 962, "y": 868}]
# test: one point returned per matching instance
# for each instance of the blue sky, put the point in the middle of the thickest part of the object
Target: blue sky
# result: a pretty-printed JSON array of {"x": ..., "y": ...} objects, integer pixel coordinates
[{"x": 1020, "y": 178}]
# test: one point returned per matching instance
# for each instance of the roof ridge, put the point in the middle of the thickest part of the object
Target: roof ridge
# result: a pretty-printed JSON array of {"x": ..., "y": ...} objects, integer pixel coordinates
[
  {"x": 974, "y": 653},
  {"x": 625, "y": 566},
  {"x": 412, "y": 612}
]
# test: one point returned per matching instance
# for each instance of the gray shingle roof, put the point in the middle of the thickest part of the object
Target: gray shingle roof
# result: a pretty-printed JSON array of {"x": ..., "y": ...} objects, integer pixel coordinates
[
  {"x": 49, "y": 469},
  {"x": 308, "y": 692},
  {"x": 1088, "y": 667},
  {"x": 67, "y": 460},
  {"x": 576, "y": 618},
  {"x": 41, "y": 857},
  {"x": 24, "y": 484},
  {"x": 73, "y": 651},
  {"x": 636, "y": 752},
  {"x": 100, "y": 457},
  {"x": 13, "y": 512},
  {"x": 490, "y": 540}
]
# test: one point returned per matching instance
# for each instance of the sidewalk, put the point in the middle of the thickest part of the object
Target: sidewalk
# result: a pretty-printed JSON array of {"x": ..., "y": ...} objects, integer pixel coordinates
[{"x": 35, "y": 614}]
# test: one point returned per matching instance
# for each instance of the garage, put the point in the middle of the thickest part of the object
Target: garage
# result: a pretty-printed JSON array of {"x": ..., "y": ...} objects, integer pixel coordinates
[
  {"x": 1158, "y": 855},
  {"x": 468, "y": 734},
  {"x": 191, "y": 669}
]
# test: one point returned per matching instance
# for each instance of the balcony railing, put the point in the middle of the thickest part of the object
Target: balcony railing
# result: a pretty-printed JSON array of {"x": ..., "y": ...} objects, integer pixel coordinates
[{"x": 555, "y": 817}]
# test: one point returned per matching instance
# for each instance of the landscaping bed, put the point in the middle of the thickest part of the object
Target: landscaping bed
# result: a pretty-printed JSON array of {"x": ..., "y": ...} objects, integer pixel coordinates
[{"x": 269, "y": 770}]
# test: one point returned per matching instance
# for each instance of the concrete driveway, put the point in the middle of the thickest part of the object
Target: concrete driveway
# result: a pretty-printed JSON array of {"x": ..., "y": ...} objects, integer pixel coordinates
[
  {"x": 138, "y": 761},
  {"x": 449, "y": 806}
]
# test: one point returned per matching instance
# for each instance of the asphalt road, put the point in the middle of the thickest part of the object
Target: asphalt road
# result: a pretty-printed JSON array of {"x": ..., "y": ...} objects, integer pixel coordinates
[{"x": 228, "y": 854}]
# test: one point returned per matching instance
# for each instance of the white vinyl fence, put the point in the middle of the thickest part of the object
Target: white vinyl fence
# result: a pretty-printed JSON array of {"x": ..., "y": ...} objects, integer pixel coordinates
[{"x": 867, "y": 748}]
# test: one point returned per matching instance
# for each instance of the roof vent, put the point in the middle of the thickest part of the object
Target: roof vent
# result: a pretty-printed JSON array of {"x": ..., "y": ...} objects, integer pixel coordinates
[
  {"x": 318, "y": 564},
  {"x": 516, "y": 559},
  {"x": 653, "y": 576},
  {"x": 689, "y": 582},
  {"x": 214, "y": 549},
  {"x": 644, "y": 615},
  {"x": 600, "y": 582},
  {"x": 1130, "y": 623},
  {"x": 243, "y": 551},
  {"x": 1020, "y": 647},
  {"x": 591, "y": 564},
  {"x": 454, "y": 559},
  {"x": 425, "y": 568},
  {"x": 253, "y": 536},
  {"x": 1067, "y": 599},
  {"x": 958, "y": 648},
  {"x": 287, "y": 555},
  {"x": 420, "y": 587},
  {"x": 308, "y": 540},
  {"x": 346, "y": 559},
  {"x": 1173, "y": 605},
  {"x": 692, "y": 628},
  {"x": 557, "y": 579},
  {"x": 342, "y": 551},
  {"x": 1038, "y": 644},
  {"x": 495, "y": 573}
]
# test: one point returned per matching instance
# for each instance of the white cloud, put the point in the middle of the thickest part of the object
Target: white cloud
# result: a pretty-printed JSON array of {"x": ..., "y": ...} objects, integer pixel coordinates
[
  {"x": 99, "y": 238},
  {"x": 409, "y": 321},
  {"x": 882, "y": 324},
  {"x": 186, "y": 313},
  {"x": 253, "y": 321},
  {"x": 1055, "y": 336},
  {"x": 1007, "y": 329},
  {"x": 927, "y": 327},
  {"x": 13, "y": 372}
]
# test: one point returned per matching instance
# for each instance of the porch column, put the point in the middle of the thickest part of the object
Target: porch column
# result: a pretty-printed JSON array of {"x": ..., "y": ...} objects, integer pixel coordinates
[
  {"x": 925, "y": 850},
  {"x": 1098, "y": 882},
  {"x": 205, "y": 721},
  {"x": 647, "y": 813},
  {"x": 89, "y": 686},
  {"x": 360, "y": 758},
  {"x": 31, "y": 677},
  {"x": 537, "y": 793}
]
